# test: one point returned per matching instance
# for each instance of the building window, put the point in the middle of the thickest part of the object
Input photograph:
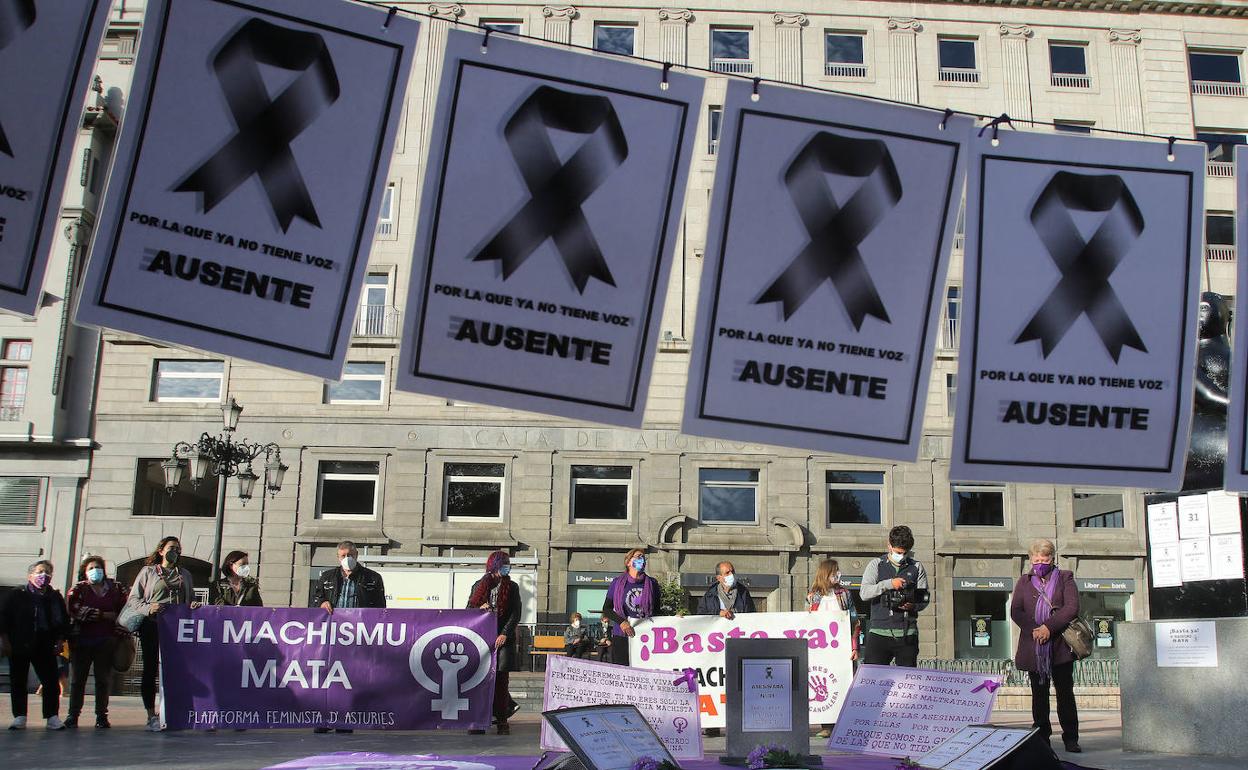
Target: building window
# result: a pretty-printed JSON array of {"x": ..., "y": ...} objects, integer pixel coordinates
[
  {"x": 473, "y": 490},
  {"x": 959, "y": 229},
  {"x": 844, "y": 55},
  {"x": 601, "y": 492},
  {"x": 14, "y": 378},
  {"x": 510, "y": 27},
  {"x": 377, "y": 317},
  {"x": 953, "y": 317},
  {"x": 957, "y": 60},
  {"x": 189, "y": 501},
  {"x": 855, "y": 497},
  {"x": 188, "y": 381},
  {"x": 346, "y": 489},
  {"x": 363, "y": 382},
  {"x": 1221, "y": 151},
  {"x": 19, "y": 501},
  {"x": 978, "y": 505},
  {"x": 1095, "y": 509},
  {"x": 1215, "y": 73},
  {"x": 951, "y": 394},
  {"x": 714, "y": 118},
  {"x": 1072, "y": 127},
  {"x": 1068, "y": 65},
  {"x": 1220, "y": 236},
  {"x": 728, "y": 495},
  {"x": 385, "y": 215},
  {"x": 615, "y": 38},
  {"x": 730, "y": 51},
  {"x": 67, "y": 379}
]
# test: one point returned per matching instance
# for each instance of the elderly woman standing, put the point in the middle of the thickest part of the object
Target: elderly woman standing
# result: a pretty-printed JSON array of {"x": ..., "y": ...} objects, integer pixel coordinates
[
  {"x": 497, "y": 593},
  {"x": 632, "y": 595},
  {"x": 33, "y": 623},
  {"x": 1045, "y": 602}
]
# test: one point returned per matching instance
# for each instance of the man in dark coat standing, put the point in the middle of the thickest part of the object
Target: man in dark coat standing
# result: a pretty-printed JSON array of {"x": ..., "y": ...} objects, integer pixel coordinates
[{"x": 726, "y": 597}]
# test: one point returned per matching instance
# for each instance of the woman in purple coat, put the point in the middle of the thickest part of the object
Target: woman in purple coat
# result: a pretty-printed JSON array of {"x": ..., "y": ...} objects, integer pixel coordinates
[{"x": 1045, "y": 601}]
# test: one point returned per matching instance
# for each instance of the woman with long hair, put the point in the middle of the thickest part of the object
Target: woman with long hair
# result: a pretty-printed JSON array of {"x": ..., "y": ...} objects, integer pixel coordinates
[
  {"x": 236, "y": 587},
  {"x": 827, "y": 595},
  {"x": 631, "y": 596},
  {"x": 95, "y": 601},
  {"x": 159, "y": 584},
  {"x": 497, "y": 593}
]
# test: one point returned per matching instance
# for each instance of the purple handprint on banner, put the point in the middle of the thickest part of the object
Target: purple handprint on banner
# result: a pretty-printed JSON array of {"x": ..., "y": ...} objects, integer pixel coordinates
[{"x": 819, "y": 686}]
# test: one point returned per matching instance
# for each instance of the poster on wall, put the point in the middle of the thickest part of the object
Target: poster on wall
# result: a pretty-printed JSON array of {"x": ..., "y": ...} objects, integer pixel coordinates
[
  {"x": 981, "y": 630},
  {"x": 553, "y": 194},
  {"x": 1236, "y": 478},
  {"x": 830, "y": 230},
  {"x": 248, "y": 178},
  {"x": 1079, "y": 323},
  {"x": 47, "y": 57}
]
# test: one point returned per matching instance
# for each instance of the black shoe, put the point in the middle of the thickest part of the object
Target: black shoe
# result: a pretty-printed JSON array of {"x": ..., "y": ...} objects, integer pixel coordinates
[
  {"x": 320, "y": 730},
  {"x": 71, "y": 722},
  {"x": 1072, "y": 747},
  {"x": 102, "y": 723},
  {"x": 515, "y": 708}
]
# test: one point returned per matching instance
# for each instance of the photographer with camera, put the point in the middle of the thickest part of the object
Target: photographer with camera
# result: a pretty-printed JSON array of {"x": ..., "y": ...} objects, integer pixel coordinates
[{"x": 896, "y": 586}]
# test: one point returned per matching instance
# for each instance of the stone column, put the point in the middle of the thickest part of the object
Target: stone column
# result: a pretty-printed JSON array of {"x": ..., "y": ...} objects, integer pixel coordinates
[
  {"x": 789, "y": 45},
  {"x": 434, "y": 31},
  {"x": 1123, "y": 45},
  {"x": 1015, "y": 70},
  {"x": 559, "y": 22},
  {"x": 674, "y": 35},
  {"x": 902, "y": 46}
]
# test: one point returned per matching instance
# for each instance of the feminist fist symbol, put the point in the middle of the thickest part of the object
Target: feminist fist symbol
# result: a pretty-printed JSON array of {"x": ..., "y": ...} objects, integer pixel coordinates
[
  {"x": 451, "y": 659},
  {"x": 820, "y": 685}
]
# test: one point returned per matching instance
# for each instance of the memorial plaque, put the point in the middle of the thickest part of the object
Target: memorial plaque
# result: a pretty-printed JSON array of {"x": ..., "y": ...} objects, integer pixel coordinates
[{"x": 768, "y": 700}]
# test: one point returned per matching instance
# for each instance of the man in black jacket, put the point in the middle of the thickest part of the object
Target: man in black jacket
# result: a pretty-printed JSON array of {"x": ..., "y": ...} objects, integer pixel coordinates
[
  {"x": 350, "y": 584},
  {"x": 726, "y": 597}
]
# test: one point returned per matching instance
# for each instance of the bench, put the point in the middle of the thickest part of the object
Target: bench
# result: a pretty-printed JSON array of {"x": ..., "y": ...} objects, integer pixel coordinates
[{"x": 546, "y": 645}]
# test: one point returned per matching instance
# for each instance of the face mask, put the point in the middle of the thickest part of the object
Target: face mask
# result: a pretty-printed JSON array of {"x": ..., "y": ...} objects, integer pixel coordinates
[
  {"x": 348, "y": 563},
  {"x": 835, "y": 578},
  {"x": 40, "y": 580},
  {"x": 1042, "y": 570},
  {"x": 639, "y": 564},
  {"x": 606, "y": 623},
  {"x": 95, "y": 575},
  {"x": 504, "y": 570},
  {"x": 242, "y": 570},
  {"x": 171, "y": 556},
  {"x": 896, "y": 558},
  {"x": 730, "y": 580},
  {"x": 576, "y": 624}
]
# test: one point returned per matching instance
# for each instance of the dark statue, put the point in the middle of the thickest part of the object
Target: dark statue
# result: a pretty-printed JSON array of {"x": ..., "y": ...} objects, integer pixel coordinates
[{"x": 1207, "y": 455}]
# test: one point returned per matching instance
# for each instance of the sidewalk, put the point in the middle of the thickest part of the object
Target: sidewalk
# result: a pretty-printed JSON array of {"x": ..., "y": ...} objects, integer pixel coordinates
[{"x": 127, "y": 745}]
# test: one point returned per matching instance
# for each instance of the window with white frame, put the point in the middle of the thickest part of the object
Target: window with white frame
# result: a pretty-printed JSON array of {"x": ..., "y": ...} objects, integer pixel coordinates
[
  {"x": 377, "y": 317},
  {"x": 730, "y": 50},
  {"x": 957, "y": 60},
  {"x": 19, "y": 501},
  {"x": 385, "y": 214},
  {"x": 188, "y": 500},
  {"x": 1215, "y": 67},
  {"x": 953, "y": 317},
  {"x": 347, "y": 489},
  {"x": 1220, "y": 236},
  {"x": 615, "y": 38},
  {"x": 504, "y": 25},
  {"x": 363, "y": 382},
  {"x": 14, "y": 378},
  {"x": 601, "y": 492},
  {"x": 1068, "y": 65},
  {"x": 473, "y": 491},
  {"x": 977, "y": 505},
  {"x": 714, "y": 120},
  {"x": 728, "y": 495},
  {"x": 951, "y": 394},
  {"x": 855, "y": 497},
  {"x": 1221, "y": 144},
  {"x": 1097, "y": 509},
  {"x": 844, "y": 55},
  {"x": 181, "y": 380}
]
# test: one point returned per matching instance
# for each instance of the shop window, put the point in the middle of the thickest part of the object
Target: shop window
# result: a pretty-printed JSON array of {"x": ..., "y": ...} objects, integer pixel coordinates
[
  {"x": 601, "y": 492},
  {"x": 855, "y": 497},
  {"x": 728, "y": 495},
  {"x": 978, "y": 505},
  {"x": 1095, "y": 509},
  {"x": 980, "y": 625},
  {"x": 473, "y": 491}
]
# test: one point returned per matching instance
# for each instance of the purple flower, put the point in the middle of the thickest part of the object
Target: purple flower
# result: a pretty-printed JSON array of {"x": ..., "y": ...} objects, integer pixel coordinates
[
  {"x": 645, "y": 763},
  {"x": 755, "y": 759}
]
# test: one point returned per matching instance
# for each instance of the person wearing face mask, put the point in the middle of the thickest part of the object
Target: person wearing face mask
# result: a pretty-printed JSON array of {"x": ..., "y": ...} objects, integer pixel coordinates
[
  {"x": 95, "y": 601},
  {"x": 1045, "y": 601},
  {"x": 160, "y": 583},
  {"x": 726, "y": 598},
  {"x": 33, "y": 624},
  {"x": 632, "y": 595},
  {"x": 497, "y": 593},
  {"x": 576, "y": 641},
  {"x": 236, "y": 587},
  {"x": 600, "y": 632},
  {"x": 896, "y": 586},
  {"x": 828, "y": 595}
]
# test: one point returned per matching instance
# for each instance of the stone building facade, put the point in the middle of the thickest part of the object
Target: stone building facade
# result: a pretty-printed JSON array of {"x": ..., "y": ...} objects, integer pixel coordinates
[{"x": 428, "y": 483}]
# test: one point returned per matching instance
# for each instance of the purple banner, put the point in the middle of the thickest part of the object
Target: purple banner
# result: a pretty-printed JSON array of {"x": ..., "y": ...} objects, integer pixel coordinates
[
  {"x": 250, "y": 667},
  {"x": 368, "y": 760}
]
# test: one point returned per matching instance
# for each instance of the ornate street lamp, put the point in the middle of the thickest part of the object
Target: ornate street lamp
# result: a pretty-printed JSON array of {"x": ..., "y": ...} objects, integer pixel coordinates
[{"x": 225, "y": 457}]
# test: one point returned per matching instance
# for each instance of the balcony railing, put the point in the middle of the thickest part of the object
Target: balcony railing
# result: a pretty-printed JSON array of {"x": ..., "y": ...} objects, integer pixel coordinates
[
  {"x": 844, "y": 70},
  {"x": 385, "y": 227},
  {"x": 1218, "y": 253},
  {"x": 712, "y": 147},
  {"x": 1070, "y": 81},
  {"x": 958, "y": 75},
  {"x": 1216, "y": 88},
  {"x": 377, "y": 321},
  {"x": 733, "y": 66},
  {"x": 949, "y": 334},
  {"x": 10, "y": 412},
  {"x": 1221, "y": 168}
]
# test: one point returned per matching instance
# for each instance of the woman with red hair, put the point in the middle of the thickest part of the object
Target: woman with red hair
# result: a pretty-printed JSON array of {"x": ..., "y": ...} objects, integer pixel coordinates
[{"x": 495, "y": 592}]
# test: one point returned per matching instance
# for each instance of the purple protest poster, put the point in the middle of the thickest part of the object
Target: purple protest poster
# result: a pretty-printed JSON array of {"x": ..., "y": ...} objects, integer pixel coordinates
[
  {"x": 47, "y": 55},
  {"x": 551, "y": 203},
  {"x": 252, "y": 667},
  {"x": 1079, "y": 325},
  {"x": 248, "y": 178}
]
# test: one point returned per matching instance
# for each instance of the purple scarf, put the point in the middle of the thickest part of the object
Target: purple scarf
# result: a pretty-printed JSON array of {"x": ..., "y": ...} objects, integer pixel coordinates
[
  {"x": 1045, "y": 591},
  {"x": 620, "y": 587}
]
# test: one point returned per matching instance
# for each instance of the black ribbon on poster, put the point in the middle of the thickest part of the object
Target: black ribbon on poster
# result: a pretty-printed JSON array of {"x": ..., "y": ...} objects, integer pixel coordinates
[
  {"x": 16, "y": 16},
  {"x": 837, "y": 230},
  {"x": 557, "y": 189},
  {"x": 1085, "y": 264},
  {"x": 267, "y": 126}
]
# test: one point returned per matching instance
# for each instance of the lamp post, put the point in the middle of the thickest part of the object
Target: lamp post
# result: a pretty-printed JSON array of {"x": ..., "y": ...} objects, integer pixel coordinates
[{"x": 225, "y": 457}]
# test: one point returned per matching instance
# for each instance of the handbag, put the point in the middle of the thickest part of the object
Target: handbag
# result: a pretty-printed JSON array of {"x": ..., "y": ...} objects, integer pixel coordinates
[
  {"x": 123, "y": 654},
  {"x": 1077, "y": 634},
  {"x": 131, "y": 617}
]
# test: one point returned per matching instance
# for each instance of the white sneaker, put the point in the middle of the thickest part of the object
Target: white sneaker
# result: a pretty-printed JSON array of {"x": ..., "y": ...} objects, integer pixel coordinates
[
  {"x": 55, "y": 723},
  {"x": 19, "y": 723},
  {"x": 153, "y": 725}
]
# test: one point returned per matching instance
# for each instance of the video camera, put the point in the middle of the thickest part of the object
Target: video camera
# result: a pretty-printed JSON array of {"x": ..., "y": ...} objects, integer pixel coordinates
[{"x": 909, "y": 594}]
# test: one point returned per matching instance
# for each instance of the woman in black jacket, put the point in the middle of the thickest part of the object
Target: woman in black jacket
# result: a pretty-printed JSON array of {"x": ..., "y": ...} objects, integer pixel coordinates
[
  {"x": 496, "y": 593},
  {"x": 33, "y": 624},
  {"x": 236, "y": 587}
]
